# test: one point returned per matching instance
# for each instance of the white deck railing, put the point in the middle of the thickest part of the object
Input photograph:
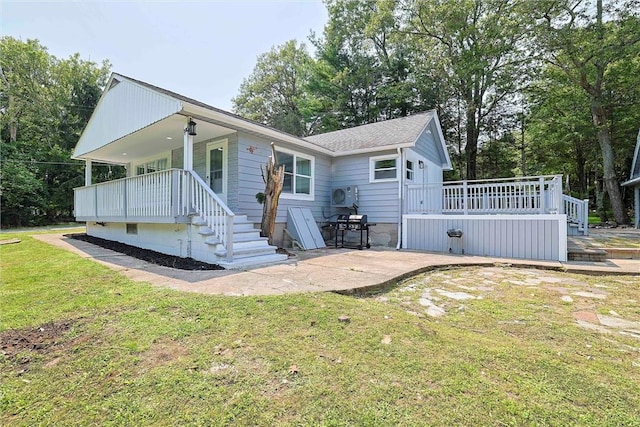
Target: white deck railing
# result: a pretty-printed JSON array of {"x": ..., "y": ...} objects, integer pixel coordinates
[
  {"x": 528, "y": 195},
  {"x": 166, "y": 196},
  {"x": 577, "y": 212}
]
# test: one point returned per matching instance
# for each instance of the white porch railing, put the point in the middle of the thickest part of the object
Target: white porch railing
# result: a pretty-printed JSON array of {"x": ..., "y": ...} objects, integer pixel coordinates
[
  {"x": 168, "y": 196},
  {"x": 528, "y": 195},
  {"x": 577, "y": 212}
]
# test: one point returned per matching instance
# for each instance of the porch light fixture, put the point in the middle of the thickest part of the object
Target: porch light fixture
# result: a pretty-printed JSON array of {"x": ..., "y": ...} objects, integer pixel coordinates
[
  {"x": 191, "y": 127},
  {"x": 420, "y": 164}
]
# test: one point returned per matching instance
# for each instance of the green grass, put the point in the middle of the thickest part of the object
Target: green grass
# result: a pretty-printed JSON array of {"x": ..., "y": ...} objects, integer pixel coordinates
[{"x": 140, "y": 355}]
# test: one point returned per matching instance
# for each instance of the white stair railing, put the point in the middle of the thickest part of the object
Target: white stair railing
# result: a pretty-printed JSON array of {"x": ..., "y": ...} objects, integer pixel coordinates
[
  {"x": 577, "y": 212},
  {"x": 208, "y": 205}
]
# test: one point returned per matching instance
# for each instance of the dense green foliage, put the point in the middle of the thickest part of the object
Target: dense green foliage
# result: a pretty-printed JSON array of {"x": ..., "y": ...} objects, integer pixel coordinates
[
  {"x": 521, "y": 87},
  {"x": 45, "y": 102}
]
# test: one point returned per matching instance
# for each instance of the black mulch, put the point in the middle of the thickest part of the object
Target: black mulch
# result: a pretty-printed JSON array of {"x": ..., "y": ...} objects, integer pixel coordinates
[{"x": 146, "y": 254}]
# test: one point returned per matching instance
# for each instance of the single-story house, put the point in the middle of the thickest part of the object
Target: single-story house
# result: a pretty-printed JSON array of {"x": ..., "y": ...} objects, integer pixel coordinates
[
  {"x": 193, "y": 172},
  {"x": 634, "y": 182}
]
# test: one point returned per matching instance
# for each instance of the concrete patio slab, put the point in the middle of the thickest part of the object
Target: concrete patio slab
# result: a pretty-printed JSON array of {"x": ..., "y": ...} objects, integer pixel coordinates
[{"x": 322, "y": 270}]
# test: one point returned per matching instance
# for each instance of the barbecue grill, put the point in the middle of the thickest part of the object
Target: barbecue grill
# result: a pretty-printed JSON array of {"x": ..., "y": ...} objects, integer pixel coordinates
[
  {"x": 455, "y": 234},
  {"x": 353, "y": 223}
]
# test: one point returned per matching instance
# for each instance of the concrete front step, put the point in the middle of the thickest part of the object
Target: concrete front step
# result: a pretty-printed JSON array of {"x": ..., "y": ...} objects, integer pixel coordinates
[
  {"x": 622, "y": 253},
  {"x": 248, "y": 251},
  {"x": 255, "y": 261},
  {"x": 586, "y": 254}
]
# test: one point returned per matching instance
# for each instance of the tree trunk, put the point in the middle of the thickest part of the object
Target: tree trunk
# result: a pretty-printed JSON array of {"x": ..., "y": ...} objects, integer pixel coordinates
[
  {"x": 609, "y": 174},
  {"x": 581, "y": 162},
  {"x": 273, "y": 187}
]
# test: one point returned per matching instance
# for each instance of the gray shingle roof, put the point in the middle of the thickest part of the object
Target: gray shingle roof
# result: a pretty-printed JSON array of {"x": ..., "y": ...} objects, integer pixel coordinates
[{"x": 402, "y": 131}]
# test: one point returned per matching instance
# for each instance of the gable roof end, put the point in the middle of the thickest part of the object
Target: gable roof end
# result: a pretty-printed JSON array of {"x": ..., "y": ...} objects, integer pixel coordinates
[{"x": 123, "y": 108}]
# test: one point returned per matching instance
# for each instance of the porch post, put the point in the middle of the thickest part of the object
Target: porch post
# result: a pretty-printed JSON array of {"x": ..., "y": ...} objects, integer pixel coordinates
[
  {"x": 543, "y": 196},
  {"x": 636, "y": 192},
  {"x": 187, "y": 151},
  {"x": 465, "y": 197},
  {"x": 87, "y": 173}
]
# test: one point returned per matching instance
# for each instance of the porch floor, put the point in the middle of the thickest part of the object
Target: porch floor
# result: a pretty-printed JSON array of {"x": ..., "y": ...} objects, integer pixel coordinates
[{"x": 352, "y": 271}]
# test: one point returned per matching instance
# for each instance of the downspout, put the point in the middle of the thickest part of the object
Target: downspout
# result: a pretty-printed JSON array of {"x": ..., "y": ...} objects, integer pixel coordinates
[{"x": 400, "y": 194}]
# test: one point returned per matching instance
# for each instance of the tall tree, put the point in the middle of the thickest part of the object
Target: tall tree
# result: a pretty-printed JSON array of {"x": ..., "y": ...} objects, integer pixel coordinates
[
  {"x": 480, "y": 50},
  {"x": 45, "y": 103},
  {"x": 275, "y": 92},
  {"x": 364, "y": 70},
  {"x": 586, "y": 43}
]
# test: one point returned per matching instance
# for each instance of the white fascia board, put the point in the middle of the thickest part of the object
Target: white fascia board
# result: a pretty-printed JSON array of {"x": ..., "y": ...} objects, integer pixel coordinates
[
  {"x": 239, "y": 123},
  {"x": 393, "y": 147},
  {"x": 448, "y": 165}
]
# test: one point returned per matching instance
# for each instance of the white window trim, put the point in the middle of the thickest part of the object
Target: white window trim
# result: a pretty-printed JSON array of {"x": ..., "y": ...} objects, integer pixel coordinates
[
  {"x": 166, "y": 155},
  {"x": 294, "y": 196},
  {"x": 372, "y": 167},
  {"x": 407, "y": 170}
]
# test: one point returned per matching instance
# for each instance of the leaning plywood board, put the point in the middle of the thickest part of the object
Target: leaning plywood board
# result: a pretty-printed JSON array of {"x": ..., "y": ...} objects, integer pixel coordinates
[{"x": 303, "y": 227}]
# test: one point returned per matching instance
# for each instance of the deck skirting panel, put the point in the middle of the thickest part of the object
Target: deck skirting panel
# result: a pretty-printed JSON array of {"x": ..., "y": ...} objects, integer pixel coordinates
[{"x": 536, "y": 237}]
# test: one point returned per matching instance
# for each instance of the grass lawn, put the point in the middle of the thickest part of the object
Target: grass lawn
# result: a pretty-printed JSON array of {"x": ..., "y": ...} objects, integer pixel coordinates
[{"x": 83, "y": 345}]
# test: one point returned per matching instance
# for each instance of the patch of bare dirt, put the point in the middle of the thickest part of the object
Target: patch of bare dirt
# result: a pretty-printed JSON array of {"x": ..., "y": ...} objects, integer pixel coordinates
[
  {"x": 147, "y": 255},
  {"x": 162, "y": 353},
  {"x": 17, "y": 344},
  {"x": 38, "y": 339}
]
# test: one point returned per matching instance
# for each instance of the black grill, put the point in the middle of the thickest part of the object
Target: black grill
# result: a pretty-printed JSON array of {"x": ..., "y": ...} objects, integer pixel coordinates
[{"x": 353, "y": 223}]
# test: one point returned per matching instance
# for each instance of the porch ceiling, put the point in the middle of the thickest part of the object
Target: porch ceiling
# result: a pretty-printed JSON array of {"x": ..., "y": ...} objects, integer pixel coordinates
[{"x": 157, "y": 138}]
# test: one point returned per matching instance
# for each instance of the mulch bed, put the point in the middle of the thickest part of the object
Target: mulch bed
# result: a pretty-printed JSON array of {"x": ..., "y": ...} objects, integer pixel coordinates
[{"x": 147, "y": 255}]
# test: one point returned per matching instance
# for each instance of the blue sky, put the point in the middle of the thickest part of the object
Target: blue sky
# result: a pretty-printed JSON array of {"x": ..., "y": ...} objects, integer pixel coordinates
[{"x": 201, "y": 49}]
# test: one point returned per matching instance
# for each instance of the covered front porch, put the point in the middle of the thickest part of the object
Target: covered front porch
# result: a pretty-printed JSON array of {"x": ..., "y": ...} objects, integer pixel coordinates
[{"x": 168, "y": 201}]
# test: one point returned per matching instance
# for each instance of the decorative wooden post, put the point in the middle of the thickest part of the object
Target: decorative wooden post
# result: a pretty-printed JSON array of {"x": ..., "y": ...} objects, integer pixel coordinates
[{"x": 273, "y": 187}]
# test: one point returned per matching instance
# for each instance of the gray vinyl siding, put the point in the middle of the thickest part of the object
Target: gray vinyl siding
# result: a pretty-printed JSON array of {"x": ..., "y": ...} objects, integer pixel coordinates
[
  {"x": 530, "y": 238},
  {"x": 252, "y": 154},
  {"x": 233, "y": 183},
  {"x": 177, "y": 158},
  {"x": 200, "y": 159},
  {"x": 378, "y": 200},
  {"x": 426, "y": 147}
]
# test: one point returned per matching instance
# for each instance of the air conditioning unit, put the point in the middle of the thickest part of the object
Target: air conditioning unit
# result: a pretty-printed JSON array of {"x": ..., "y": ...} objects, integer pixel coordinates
[{"x": 344, "y": 197}]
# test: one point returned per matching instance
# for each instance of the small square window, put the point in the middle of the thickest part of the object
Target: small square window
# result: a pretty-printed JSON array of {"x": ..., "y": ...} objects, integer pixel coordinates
[{"x": 132, "y": 228}]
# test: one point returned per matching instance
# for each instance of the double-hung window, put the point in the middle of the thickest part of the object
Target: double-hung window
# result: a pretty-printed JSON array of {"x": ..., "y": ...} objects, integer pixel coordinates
[
  {"x": 298, "y": 174},
  {"x": 383, "y": 168},
  {"x": 152, "y": 165},
  {"x": 410, "y": 173}
]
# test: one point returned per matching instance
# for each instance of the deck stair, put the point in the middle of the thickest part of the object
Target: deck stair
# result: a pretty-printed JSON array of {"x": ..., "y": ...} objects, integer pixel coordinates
[
  {"x": 603, "y": 245},
  {"x": 249, "y": 249}
]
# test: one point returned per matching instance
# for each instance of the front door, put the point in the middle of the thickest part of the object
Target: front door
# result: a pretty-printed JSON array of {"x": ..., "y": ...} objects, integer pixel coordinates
[{"x": 217, "y": 168}]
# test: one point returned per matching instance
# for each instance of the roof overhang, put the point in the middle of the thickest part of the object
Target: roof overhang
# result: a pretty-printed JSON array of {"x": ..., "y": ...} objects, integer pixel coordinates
[
  {"x": 134, "y": 120},
  {"x": 153, "y": 140},
  {"x": 237, "y": 123}
]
